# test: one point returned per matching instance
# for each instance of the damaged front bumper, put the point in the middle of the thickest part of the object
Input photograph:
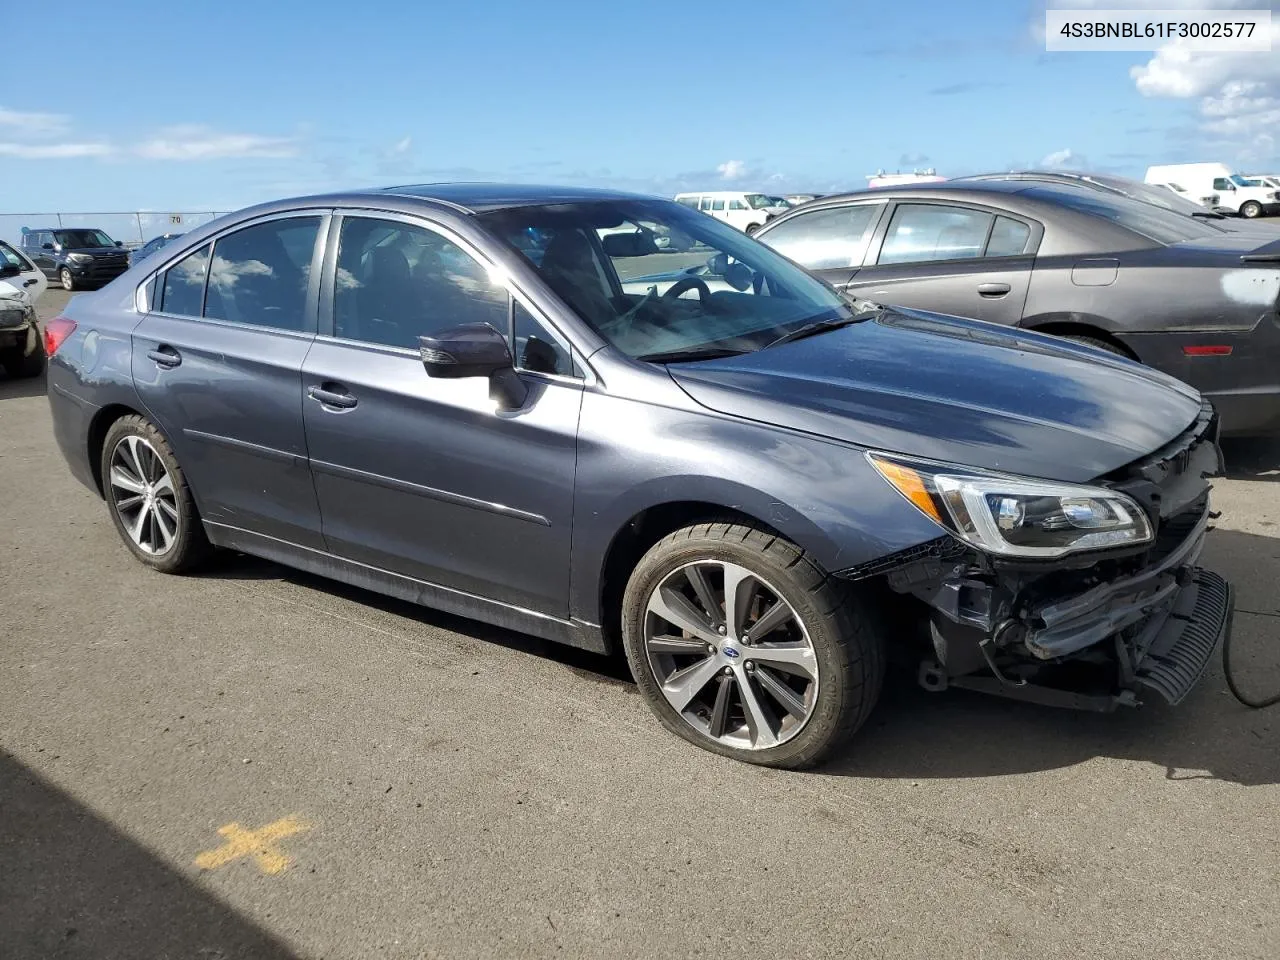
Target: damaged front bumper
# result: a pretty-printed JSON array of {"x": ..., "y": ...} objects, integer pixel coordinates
[{"x": 1087, "y": 633}]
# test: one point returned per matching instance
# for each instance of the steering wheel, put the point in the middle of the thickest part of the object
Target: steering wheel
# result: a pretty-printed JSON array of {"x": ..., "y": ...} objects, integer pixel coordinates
[{"x": 684, "y": 285}]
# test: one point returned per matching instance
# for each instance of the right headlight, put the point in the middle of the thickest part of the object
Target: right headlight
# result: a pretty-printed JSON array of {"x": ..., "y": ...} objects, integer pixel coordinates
[
  {"x": 79, "y": 258},
  {"x": 1016, "y": 517}
]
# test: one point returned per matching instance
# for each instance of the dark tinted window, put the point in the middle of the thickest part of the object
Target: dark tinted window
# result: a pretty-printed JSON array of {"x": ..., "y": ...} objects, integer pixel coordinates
[
  {"x": 537, "y": 348},
  {"x": 1008, "y": 238},
  {"x": 397, "y": 282},
  {"x": 927, "y": 231},
  {"x": 1221, "y": 183},
  {"x": 825, "y": 239},
  {"x": 260, "y": 274},
  {"x": 183, "y": 288}
]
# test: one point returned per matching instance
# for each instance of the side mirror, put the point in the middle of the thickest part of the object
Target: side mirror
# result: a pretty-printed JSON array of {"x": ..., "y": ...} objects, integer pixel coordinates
[
  {"x": 475, "y": 350},
  {"x": 119, "y": 243},
  {"x": 719, "y": 264},
  {"x": 8, "y": 270}
]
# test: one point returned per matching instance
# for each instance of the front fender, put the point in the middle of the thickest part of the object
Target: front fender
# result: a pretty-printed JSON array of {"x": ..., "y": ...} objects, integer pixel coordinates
[{"x": 822, "y": 495}]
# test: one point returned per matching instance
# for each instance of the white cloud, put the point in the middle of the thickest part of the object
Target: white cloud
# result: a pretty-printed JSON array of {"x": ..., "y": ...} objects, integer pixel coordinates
[
  {"x": 54, "y": 151},
  {"x": 1060, "y": 159},
  {"x": 194, "y": 142},
  {"x": 1238, "y": 93},
  {"x": 32, "y": 124},
  {"x": 732, "y": 170},
  {"x": 402, "y": 146}
]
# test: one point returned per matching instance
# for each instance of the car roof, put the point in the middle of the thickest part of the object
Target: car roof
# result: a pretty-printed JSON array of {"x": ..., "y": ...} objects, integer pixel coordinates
[
  {"x": 1017, "y": 192},
  {"x": 479, "y": 197}
]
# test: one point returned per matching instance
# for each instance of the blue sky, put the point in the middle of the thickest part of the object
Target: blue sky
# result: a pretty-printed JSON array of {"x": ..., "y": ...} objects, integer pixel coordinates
[{"x": 194, "y": 106}]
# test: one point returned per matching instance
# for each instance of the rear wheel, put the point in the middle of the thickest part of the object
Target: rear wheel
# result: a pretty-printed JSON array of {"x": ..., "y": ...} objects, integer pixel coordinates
[
  {"x": 1097, "y": 343},
  {"x": 743, "y": 646},
  {"x": 148, "y": 498},
  {"x": 752, "y": 228},
  {"x": 1251, "y": 209},
  {"x": 67, "y": 280}
]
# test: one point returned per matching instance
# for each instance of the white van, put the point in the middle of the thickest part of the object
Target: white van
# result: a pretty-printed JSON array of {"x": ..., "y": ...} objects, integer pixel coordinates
[
  {"x": 746, "y": 211},
  {"x": 1197, "y": 181}
]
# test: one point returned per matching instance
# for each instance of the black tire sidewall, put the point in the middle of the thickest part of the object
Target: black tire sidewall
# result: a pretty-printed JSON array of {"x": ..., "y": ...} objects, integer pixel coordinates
[
  {"x": 190, "y": 544},
  {"x": 831, "y": 719}
]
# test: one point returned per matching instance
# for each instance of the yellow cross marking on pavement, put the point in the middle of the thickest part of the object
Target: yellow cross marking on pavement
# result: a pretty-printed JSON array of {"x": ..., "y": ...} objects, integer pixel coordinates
[{"x": 259, "y": 844}]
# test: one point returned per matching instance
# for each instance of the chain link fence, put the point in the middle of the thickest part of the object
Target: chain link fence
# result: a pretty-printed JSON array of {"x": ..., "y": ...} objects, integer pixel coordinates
[{"x": 133, "y": 228}]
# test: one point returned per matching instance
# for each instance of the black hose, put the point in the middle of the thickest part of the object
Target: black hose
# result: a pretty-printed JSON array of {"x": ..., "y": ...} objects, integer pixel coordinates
[{"x": 1231, "y": 683}]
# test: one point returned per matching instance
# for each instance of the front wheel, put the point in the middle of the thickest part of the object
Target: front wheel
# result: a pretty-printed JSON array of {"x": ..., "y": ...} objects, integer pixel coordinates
[
  {"x": 752, "y": 228},
  {"x": 743, "y": 646},
  {"x": 148, "y": 497},
  {"x": 66, "y": 279},
  {"x": 1251, "y": 209}
]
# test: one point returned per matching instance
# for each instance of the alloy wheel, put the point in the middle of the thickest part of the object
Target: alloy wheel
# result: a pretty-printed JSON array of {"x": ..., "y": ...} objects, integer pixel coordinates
[
  {"x": 731, "y": 655},
  {"x": 68, "y": 281},
  {"x": 143, "y": 494}
]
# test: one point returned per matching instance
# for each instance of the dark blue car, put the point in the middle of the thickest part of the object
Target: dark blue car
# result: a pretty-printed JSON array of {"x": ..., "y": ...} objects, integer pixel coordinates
[{"x": 508, "y": 403}]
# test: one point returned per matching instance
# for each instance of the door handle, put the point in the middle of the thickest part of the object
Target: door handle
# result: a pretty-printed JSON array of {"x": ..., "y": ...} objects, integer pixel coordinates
[
  {"x": 27, "y": 283},
  {"x": 993, "y": 289},
  {"x": 332, "y": 395},
  {"x": 165, "y": 356}
]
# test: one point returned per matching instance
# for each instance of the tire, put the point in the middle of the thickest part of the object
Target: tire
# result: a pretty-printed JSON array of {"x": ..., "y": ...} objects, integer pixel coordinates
[
  {"x": 1250, "y": 209},
  {"x": 18, "y": 367},
  {"x": 178, "y": 543},
  {"x": 66, "y": 279},
  {"x": 828, "y": 630},
  {"x": 752, "y": 228},
  {"x": 1097, "y": 343}
]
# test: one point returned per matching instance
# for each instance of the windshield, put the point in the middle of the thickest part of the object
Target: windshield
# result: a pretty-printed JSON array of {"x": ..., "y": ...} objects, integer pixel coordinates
[
  {"x": 83, "y": 239},
  {"x": 1145, "y": 219},
  {"x": 1240, "y": 181},
  {"x": 758, "y": 201},
  {"x": 658, "y": 280}
]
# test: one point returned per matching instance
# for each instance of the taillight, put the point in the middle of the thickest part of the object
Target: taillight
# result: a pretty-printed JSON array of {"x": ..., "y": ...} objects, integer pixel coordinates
[{"x": 55, "y": 332}]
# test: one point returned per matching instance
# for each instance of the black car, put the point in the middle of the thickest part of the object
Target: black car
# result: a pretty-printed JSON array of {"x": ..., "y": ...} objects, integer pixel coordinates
[
  {"x": 76, "y": 257},
  {"x": 1171, "y": 291},
  {"x": 151, "y": 246},
  {"x": 480, "y": 398}
]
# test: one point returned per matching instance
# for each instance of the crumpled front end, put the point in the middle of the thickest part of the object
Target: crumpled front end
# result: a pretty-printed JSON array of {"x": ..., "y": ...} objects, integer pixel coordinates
[
  {"x": 1093, "y": 631},
  {"x": 18, "y": 327}
]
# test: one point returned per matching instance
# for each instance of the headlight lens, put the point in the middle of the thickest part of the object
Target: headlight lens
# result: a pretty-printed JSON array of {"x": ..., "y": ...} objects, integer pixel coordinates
[
  {"x": 1011, "y": 516},
  {"x": 79, "y": 258}
]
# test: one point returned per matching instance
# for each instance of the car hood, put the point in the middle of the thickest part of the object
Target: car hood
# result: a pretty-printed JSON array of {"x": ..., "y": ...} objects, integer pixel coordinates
[{"x": 958, "y": 391}]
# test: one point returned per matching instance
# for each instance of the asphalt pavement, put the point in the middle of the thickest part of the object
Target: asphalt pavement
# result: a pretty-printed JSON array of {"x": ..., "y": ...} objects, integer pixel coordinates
[{"x": 254, "y": 762}]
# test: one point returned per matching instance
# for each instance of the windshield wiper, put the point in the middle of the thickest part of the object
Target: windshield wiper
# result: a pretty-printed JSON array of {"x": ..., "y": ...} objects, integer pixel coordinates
[
  {"x": 1208, "y": 215},
  {"x": 822, "y": 326},
  {"x": 692, "y": 353}
]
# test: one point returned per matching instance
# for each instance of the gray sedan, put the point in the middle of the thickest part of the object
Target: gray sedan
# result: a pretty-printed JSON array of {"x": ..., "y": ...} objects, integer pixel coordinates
[{"x": 1176, "y": 293}]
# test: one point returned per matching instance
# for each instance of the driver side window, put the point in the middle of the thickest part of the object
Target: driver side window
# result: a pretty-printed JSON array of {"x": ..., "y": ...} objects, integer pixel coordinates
[{"x": 398, "y": 281}]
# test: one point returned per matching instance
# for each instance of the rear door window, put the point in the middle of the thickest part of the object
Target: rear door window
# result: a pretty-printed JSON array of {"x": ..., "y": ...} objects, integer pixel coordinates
[
  {"x": 260, "y": 275},
  {"x": 922, "y": 232}
]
